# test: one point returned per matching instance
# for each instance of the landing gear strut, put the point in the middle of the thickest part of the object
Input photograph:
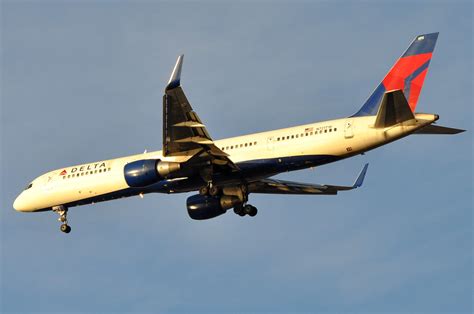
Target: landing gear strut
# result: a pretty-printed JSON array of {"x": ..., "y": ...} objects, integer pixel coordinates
[{"x": 61, "y": 210}]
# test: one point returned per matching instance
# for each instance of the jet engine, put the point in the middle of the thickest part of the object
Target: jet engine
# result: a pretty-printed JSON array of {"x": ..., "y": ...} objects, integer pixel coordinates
[
  {"x": 202, "y": 207},
  {"x": 141, "y": 173}
]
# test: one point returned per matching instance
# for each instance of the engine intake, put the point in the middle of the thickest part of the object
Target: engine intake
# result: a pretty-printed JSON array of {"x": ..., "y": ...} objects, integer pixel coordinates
[
  {"x": 141, "y": 173},
  {"x": 202, "y": 207}
]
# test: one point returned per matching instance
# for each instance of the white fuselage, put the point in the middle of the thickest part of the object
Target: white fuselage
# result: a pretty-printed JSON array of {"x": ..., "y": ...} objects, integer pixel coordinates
[{"x": 340, "y": 138}]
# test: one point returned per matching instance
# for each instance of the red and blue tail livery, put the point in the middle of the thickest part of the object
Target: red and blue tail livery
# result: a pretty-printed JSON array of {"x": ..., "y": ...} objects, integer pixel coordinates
[{"x": 407, "y": 74}]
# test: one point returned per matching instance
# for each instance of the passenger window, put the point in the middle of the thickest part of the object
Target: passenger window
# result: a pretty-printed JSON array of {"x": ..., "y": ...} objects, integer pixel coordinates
[
  {"x": 335, "y": 129},
  {"x": 325, "y": 131},
  {"x": 246, "y": 144},
  {"x": 292, "y": 136},
  {"x": 254, "y": 143}
]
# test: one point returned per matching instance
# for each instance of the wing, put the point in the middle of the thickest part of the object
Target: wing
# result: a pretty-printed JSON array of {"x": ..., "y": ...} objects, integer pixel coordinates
[
  {"x": 271, "y": 186},
  {"x": 183, "y": 132}
]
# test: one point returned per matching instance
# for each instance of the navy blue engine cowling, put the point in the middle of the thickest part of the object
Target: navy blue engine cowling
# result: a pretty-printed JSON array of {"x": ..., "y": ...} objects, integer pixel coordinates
[
  {"x": 141, "y": 173},
  {"x": 202, "y": 207}
]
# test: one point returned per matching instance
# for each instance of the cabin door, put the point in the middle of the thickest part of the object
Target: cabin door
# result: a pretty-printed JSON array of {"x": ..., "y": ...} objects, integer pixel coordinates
[
  {"x": 349, "y": 129},
  {"x": 270, "y": 143}
]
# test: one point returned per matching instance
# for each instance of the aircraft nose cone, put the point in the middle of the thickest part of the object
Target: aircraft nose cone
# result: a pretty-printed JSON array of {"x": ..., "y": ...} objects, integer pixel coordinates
[{"x": 19, "y": 203}]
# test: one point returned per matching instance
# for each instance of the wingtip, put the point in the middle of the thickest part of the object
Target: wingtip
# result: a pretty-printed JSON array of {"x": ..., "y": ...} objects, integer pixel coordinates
[
  {"x": 361, "y": 177},
  {"x": 175, "y": 78}
]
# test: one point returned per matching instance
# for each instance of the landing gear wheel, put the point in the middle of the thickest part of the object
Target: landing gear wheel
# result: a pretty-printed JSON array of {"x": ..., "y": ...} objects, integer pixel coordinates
[
  {"x": 239, "y": 210},
  {"x": 253, "y": 212},
  {"x": 204, "y": 190},
  {"x": 250, "y": 210},
  {"x": 213, "y": 190},
  {"x": 65, "y": 228}
]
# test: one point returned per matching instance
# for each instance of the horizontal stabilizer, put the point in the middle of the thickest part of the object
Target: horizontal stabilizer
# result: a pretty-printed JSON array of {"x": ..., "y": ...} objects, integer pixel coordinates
[
  {"x": 436, "y": 129},
  {"x": 394, "y": 109}
]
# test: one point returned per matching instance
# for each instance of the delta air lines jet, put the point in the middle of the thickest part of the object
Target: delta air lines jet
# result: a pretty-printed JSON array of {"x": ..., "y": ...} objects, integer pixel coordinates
[{"x": 227, "y": 171}]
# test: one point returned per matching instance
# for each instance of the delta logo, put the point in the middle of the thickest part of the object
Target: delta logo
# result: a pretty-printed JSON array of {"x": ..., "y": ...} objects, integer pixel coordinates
[{"x": 80, "y": 169}]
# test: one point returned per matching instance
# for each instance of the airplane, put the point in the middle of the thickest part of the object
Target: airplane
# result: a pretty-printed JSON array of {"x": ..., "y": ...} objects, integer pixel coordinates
[{"x": 226, "y": 171}]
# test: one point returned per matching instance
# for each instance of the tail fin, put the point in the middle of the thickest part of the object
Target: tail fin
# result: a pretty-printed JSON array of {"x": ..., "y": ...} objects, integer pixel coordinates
[{"x": 407, "y": 74}]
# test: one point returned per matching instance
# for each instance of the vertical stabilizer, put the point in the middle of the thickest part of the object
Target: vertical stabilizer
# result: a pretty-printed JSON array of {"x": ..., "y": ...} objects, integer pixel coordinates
[{"x": 407, "y": 74}]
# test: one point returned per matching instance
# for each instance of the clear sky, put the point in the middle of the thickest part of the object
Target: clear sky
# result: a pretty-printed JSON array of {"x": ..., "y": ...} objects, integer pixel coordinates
[{"x": 83, "y": 81}]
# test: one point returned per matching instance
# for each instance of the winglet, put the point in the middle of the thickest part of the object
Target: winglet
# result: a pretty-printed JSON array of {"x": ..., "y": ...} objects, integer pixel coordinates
[
  {"x": 360, "y": 178},
  {"x": 175, "y": 79}
]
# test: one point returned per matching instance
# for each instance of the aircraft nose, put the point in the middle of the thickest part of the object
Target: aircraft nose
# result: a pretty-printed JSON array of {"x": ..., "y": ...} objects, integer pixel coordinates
[{"x": 19, "y": 203}]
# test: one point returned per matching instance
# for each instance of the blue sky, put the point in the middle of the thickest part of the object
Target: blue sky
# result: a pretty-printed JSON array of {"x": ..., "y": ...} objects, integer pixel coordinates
[{"x": 83, "y": 81}]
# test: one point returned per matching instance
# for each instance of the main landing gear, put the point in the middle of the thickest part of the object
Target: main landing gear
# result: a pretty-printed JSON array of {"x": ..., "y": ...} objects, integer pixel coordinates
[
  {"x": 240, "y": 192},
  {"x": 246, "y": 210},
  {"x": 61, "y": 210}
]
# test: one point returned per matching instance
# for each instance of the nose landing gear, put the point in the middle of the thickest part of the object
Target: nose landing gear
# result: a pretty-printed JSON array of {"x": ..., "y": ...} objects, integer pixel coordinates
[{"x": 61, "y": 210}]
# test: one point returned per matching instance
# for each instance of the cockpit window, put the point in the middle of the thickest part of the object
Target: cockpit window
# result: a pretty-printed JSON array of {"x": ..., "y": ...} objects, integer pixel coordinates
[{"x": 29, "y": 186}]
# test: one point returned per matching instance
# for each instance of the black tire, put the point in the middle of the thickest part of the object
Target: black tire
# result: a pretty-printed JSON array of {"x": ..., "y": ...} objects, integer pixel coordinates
[
  {"x": 247, "y": 209},
  {"x": 65, "y": 228},
  {"x": 253, "y": 211},
  {"x": 239, "y": 211},
  {"x": 214, "y": 191},
  {"x": 204, "y": 190}
]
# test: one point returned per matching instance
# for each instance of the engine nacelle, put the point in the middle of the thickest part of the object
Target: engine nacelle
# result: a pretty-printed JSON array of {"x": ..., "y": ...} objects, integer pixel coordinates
[
  {"x": 202, "y": 207},
  {"x": 141, "y": 173}
]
